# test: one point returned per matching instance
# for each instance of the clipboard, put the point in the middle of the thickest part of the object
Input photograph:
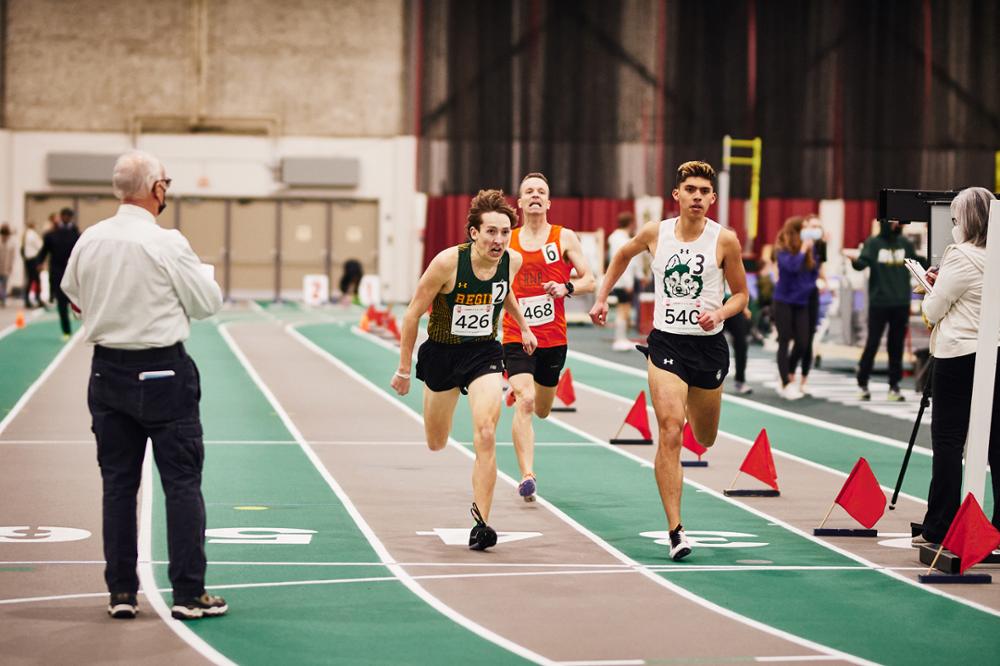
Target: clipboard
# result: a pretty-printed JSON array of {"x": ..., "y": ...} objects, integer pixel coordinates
[{"x": 919, "y": 274}]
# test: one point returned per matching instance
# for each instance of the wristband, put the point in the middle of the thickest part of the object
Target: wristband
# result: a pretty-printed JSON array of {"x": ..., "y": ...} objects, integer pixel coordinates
[{"x": 401, "y": 375}]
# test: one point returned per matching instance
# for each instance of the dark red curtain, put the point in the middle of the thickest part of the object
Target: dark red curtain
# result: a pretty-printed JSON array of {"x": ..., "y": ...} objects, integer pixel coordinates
[{"x": 446, "y": 218}]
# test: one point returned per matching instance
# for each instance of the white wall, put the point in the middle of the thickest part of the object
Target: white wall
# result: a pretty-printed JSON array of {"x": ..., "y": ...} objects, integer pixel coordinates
[{"x": 231, "y": 166}]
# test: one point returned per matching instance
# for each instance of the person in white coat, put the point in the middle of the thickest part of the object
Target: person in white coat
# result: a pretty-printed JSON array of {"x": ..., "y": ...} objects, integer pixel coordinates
[{"x": 952, "y": 308}]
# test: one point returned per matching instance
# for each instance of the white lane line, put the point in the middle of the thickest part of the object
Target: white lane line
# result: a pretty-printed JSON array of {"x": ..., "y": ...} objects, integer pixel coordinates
[
  {"x": 147, "y": 579},
  {"x": 776, "y": 448},
  {"x": 604, "y": 662},
  {"x": 67, "y": 442},
  {"x": 788, "y": 526},
  {"x": 365, "y": 528},
  {"x": 794, "y": 658},
  {"x": 611, "y": 550},
  {"x": 844, "y": 430},
  {"x": 19, "y": 405}
]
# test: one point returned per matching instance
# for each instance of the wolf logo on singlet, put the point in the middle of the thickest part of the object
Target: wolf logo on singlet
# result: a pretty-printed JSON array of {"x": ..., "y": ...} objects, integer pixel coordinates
[
  {"x": 470, "y": 311},
  {"x": 545, "y": 315},
  {"x": 688, "y": 279}
]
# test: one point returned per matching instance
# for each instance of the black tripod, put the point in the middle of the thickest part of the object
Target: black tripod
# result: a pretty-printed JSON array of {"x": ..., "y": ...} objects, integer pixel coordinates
[{"x": 925, "y": 401}]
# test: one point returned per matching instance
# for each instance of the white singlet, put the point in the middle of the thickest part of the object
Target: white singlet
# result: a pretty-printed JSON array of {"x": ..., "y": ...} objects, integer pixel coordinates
[{"x": 688, "y": 279}]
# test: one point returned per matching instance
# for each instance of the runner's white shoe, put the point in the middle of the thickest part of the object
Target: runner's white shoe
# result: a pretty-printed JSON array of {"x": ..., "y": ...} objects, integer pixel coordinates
[{"x": 679, "y": 546}]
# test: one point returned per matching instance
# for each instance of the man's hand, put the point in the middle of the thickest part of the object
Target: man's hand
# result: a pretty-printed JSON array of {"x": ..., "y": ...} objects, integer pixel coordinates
[
  {"x": 555, "y": 289},
  {"x": 528, "y": 341},
  {"x": 599, "y": 313},
  {"x": 400, "y": 382},
  {"x": 709, "y": 320}
]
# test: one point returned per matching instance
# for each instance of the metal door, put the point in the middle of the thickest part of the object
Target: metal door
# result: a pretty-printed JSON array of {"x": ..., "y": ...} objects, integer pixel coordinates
[
  {"x": 253, "y": 248},
  {"x": 203, "y": 223},
  {"x": 305, "y": 243},
  {"x": 355, "y": 236}
]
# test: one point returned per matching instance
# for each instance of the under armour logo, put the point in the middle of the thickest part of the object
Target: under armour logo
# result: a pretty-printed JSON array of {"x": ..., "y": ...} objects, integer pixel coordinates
[
  {"x": 493, "y": 367},
  {"x": 669, "y": 361},
  {"x": 718, "y": 375}
]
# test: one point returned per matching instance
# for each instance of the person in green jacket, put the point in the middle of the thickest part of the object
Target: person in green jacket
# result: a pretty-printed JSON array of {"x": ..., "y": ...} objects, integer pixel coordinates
[{"x": 889, "y": 294}]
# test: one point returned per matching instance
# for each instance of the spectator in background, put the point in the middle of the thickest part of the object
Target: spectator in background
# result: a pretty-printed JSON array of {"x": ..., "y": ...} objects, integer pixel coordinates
[
  {"x": 623, "y": 289},
  {"x": 350, "y": 281},
  {"x": 813, "y": 230},
  {"x": 953, "y": 309},
  {"x": 8, "y": 253},
  {"x": 57, "y": 245},
  {"x": 767, "y": 276},
  {"x": 31, "y": 245},
  {"x": 797, "y": 273},
  {"x": 888, "y": 301}
]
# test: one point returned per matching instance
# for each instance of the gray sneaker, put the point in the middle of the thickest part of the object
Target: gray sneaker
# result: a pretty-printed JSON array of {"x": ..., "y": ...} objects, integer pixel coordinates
[
  {"x": 207, "y": 605},
  {"x": 123, "y": 606},
  {"x": 895, "y": 395},
  {"x": 864, "y": 393}
]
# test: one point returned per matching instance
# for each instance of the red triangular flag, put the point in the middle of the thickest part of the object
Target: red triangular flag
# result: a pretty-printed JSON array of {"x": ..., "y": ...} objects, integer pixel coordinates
[
  {"x": 691, "y": 443},
  {"x": 564, "y": 389},
  {"x": 638, "y": 418},
  {"x": 971, "y": 536},
  {"x": 511, "y": 397},
  {"x": 371, "y": 313},
  {"x": 861, "y": 495},
  {"x": 759, "y": 463}
]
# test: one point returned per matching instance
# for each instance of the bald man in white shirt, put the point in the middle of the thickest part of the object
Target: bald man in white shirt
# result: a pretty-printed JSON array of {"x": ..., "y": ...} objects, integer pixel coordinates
[{"x": 137, "y": 286}]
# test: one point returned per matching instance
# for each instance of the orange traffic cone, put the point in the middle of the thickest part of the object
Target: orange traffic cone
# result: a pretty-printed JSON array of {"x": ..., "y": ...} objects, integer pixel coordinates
[{"x": 19, "y": 319}]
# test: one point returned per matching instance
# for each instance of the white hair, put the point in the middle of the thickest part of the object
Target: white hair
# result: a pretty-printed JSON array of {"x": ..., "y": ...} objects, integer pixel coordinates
[
  {"x": 970, "y": 209},
  {"x": 135, "y": 173}
]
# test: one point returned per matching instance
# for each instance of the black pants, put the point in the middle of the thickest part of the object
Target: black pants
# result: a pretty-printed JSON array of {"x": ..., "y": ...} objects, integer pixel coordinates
[
  {"x": 738, "y": 328},
  {"x": 897, "y": 317},
  {"x": 31, "y": 282},
  {"x": 952, "y": 399},
  {"x": 793, "y": 324},
  {"x": 63, "y": 304},
  {"x": 126, "y": 409}
]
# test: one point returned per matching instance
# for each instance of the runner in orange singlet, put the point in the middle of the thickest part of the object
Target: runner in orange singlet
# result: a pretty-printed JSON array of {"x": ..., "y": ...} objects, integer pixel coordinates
[{"x": 550, "y": 252}]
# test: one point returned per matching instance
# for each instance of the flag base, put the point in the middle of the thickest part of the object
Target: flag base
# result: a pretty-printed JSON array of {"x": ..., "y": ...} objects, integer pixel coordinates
[
  {"x": 955, "y": 579},
  {"x": 768, "y": 492},
  {"x": 854, "y": 532},
  {"x": 949, "y": 562},
  {"x": 616, "y": 440},
  {"x": 694, "y": 463},
  {"x": 563, "y": 409}
]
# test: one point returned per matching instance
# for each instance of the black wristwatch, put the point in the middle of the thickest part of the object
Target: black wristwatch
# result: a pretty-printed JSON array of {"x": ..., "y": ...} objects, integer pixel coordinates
[{"x": 569, "y": 289}]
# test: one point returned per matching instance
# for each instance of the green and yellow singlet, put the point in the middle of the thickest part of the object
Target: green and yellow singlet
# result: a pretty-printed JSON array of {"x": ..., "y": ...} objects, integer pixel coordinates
[{"x": 471, "y": 311}]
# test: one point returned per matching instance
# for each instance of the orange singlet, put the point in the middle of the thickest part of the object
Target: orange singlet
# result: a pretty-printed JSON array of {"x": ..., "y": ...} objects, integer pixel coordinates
[{"x": 545, "y": 315}]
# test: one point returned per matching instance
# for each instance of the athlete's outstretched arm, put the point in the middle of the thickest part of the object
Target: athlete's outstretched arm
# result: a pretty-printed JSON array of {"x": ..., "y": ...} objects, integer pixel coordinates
[
  {"x": 736, "y": 277},
  {"x": 642, "y": 241},
  {"x": 510, "y": 304},
  {"x": 584, "y": 282},
  {"x": 437, "y": 275}
]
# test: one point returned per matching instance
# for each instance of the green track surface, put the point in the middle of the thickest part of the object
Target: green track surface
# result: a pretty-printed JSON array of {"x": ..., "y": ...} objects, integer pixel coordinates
[
  {"x": 24, "y": 355},
  {"x": 379, "y": 622},
  {"x": 856, "y": 611}
]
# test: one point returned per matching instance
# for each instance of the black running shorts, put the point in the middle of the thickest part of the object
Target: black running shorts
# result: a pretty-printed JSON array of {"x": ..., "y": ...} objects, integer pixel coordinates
[
  {"x": 544, "y": 365},
  {"x": 701, "y": 361},
  {"x": 623, "y": 295},
  {"x": 442, "y": 367}
]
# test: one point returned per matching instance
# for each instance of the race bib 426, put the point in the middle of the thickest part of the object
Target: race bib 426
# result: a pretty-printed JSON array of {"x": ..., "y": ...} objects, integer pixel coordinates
[{"x": 472, "y": 320}]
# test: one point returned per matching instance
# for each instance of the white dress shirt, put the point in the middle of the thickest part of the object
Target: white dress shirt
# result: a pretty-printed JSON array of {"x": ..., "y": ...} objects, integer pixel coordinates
[
  {"x": 954, "y": 303},
  {"x": 32, "y": 243},
  {"x": 136, "y": 283}
]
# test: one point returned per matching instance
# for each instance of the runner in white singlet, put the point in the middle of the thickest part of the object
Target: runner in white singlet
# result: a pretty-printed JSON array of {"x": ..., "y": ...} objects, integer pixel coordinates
[{"x": 688, "y": 357}]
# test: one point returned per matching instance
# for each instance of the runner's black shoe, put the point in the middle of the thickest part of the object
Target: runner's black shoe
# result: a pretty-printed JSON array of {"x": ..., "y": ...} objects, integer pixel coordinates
[
  {"x": 123, "y": 606},
  {"x": 482, "y": 535},
  {"x": 207, "y": 605},
  {"x": 679, "y": 546}
]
